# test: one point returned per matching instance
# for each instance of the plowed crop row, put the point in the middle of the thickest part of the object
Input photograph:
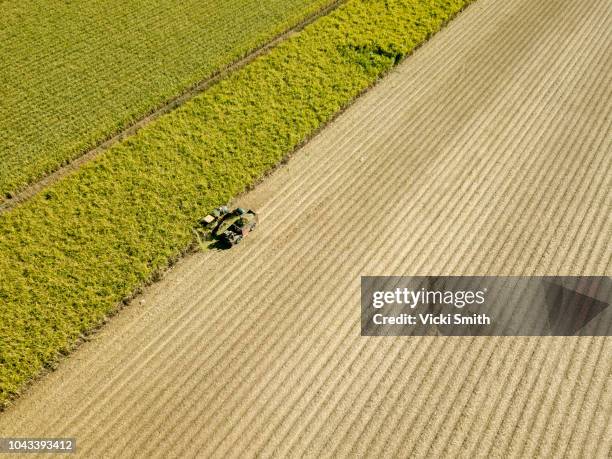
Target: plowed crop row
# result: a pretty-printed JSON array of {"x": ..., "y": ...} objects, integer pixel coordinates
[{"x": 74, "y": 73}]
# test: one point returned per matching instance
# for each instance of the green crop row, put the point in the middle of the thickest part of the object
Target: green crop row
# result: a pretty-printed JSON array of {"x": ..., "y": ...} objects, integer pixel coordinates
[
  {"x": 74, "y": 73},
  {"x": 71, "y": 254}
]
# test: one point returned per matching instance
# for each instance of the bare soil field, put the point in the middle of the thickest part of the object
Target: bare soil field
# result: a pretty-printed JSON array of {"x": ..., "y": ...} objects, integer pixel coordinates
[{"x": 486, "y": 152}]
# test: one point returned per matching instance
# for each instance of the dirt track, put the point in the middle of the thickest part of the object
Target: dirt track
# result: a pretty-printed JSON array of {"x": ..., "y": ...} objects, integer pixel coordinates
[{"x": 487, "y": 152}]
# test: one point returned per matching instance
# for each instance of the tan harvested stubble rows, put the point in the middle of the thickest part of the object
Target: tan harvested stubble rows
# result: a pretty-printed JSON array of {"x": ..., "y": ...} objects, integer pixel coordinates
[{"x": 487, "y": 152}]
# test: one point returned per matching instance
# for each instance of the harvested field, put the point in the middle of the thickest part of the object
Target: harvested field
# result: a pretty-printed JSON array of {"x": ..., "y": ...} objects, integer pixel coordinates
[
  {"x": 487, "y": 152},
  {"x": 74, "y": 73},
  {"x": 71, "y": 254}
]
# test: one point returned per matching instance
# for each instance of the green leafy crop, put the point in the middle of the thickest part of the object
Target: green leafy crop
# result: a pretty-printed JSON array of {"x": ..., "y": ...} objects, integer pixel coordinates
[{"x": 74, "y": 73}]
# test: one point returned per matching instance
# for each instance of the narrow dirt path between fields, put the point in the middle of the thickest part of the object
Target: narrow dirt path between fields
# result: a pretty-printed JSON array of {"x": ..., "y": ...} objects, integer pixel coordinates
[
  {"x": 486, "y": 152},
  {"x": 32, "y": 189}
]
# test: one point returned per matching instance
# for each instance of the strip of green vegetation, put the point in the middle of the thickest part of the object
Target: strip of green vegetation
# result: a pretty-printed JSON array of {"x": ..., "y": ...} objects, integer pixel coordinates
[
  {"x": 71, "y": 254},
  {"x": 74, "y": 73}
]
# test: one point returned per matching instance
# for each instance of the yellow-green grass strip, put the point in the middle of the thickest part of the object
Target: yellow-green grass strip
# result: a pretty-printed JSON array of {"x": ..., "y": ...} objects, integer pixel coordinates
[
  {"x": 71, "y": 254},
  {"x": 73, "y": 74}
]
